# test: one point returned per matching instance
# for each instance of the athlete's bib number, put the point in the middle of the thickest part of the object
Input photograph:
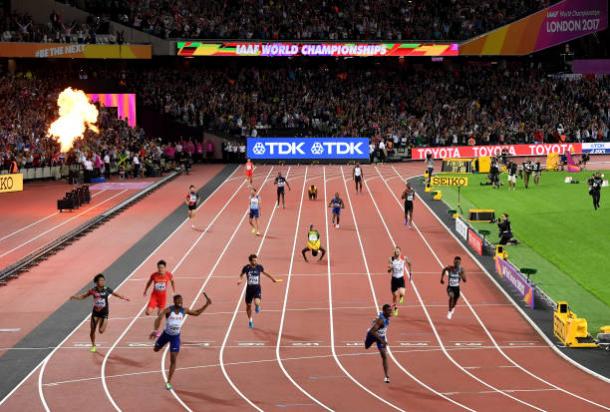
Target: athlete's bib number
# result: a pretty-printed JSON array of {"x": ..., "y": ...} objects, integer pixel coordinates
[
  {"x": 100, "y": 303},
  {"x": 193, "y": 198},
  {"x": 410, "y": 197},
  {"x": 160, "y": 286},
  {"x": 174, "y": 329},
  {"x": 313, "y": 237},
  {"x": 454, "y": 281},
  {"x": 252, "y": 280}
]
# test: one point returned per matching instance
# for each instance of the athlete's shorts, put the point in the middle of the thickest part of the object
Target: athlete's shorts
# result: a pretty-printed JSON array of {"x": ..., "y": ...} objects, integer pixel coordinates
[
  {"x": 455, "y": 290},
  {"x": 280, "y": 190},
  {"x": 157, "y": 300},
  {"x": 408, "y": 206},
  {"x": 358, "y": 179},
  {"x": 173, "y": 340},
  {"x": 249, "y": 173},
  {"x": 252, "y": 292},
  {"x": 102, "y": 314},
  {"x": 254, "y": 213},
  {"x": 336, "y": 211},
  {"x": 512, "y": 179},
  {"x": 312, "y": 195},
  {"x": 397, "y": 283},
  {"x": 192, "y": 207},
  {"x": 370, "y": 339}
]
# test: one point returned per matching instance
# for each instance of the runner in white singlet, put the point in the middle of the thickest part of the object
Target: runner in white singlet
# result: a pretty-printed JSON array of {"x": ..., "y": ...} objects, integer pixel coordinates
[
  {"x": 255, "y": 207},
  {"x": 455, "y": 274},
  {"x": 397, "y": 267}
]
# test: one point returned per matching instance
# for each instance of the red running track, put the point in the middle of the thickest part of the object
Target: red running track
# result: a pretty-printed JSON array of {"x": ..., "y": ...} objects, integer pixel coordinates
[
  {"x": 306, "y": 349},
  {"x": 31, "y": 220}
]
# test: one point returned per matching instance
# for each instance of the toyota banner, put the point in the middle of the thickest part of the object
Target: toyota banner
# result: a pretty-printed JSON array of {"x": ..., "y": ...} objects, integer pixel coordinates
[{"x": 309, "y": 148}]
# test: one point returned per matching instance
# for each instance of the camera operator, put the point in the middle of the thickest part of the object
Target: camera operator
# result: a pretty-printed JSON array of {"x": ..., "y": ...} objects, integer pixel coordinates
[
  {"x": 512, "y": 176},
  {"x": 494, "y": 173},
  {"x": 595, "y": 188},
  {"x": 528, "y": 168},
  {"x": 506, "y": 233},
  {"x": 537, "y": 171}
]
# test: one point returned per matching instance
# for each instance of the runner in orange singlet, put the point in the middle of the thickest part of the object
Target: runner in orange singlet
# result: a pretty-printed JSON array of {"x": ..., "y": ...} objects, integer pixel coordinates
[{"x": 249, "y": 170}]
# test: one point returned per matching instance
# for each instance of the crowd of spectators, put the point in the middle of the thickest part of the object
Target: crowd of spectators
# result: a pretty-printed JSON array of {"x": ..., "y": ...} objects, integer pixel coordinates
[
  {"x": 30, "y": 105},
  {"x": 315, "y": 19},
  {"x": 401, "y": 106},
  {"x": 413, "y": 106},
  {"x": 20, "y": 27}
]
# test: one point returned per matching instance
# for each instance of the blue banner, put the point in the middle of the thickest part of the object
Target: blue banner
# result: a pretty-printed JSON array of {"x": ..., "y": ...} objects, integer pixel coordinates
[
  {"x": 308, "y": 148},
  {"x": 596, "y": 148}
]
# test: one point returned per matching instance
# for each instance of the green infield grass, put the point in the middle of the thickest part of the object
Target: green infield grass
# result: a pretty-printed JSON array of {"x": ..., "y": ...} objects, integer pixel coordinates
[{"x": 561, "y": 235}]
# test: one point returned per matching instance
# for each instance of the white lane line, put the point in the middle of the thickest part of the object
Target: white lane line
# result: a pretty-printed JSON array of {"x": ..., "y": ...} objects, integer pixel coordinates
[
  {"x": 237, "y": 306},
  {"x": 475, "y": 314},
  {"x": 44, "y": 219},
  {"x": 284, "y": 304},
  {"x": 376, "y": 302},
  {"x": 27, "y": 242},
  {"x": 330, "y": 303},
  {"x": 430, "y": 321},
  {"x": 45, "y": 361}
]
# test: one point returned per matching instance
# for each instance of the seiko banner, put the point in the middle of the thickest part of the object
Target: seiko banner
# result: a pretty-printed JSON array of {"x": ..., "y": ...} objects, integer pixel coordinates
[
  {"x": 310, "y": 148},
  {"x": 596, "y": 148}
]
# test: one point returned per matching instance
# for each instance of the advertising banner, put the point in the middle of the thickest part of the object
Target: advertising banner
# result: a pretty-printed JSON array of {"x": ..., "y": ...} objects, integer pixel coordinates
[
  {"x": 440, "y": 180},
  {"x": 543, "y": 149},
  {"x": 557, "y": 24},
  {"x": 596, "y": 148},
  {"x": 11, "y": 183},
  {"x": 289, "y": 49},
  {"x": 75, "y": 51},
  {"x": 125, "y": 104},
  {"x": 309, "y": 148},
  {"x": 462, "y": 228},
  {"x": 512, "y": 275},
  {"x": 475, "y": 242}
]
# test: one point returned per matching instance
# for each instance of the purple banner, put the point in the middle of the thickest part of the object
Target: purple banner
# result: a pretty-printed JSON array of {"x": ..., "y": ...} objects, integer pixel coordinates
[
  {"x": 571, "y": 19},
  {"x": 513, "y": 276}
]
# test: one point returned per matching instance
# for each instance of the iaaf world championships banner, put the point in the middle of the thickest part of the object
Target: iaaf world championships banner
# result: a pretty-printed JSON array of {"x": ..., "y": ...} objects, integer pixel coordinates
[
  {"x": 288, "y": 49},
  {"x": 456, "y": 152},
  {"x": 557, "y": 24}
]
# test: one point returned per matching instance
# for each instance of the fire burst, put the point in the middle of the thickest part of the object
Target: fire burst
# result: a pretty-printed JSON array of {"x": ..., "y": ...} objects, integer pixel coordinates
[{"x": 76, "y": 114}]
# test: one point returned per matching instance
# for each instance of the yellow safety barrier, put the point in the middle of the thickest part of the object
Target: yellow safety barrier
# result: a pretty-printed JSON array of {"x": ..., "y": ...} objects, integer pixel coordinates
[
  {"x": 501, "y": 252},
  {"x": 11, "y": 183},
  {"x": 571, "y": 330},
  {"x": 438, "y": 195}
]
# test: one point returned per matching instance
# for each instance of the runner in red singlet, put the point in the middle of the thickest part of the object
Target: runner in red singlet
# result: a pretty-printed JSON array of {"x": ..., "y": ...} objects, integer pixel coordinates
[
  {"x": 160, "y": 279},
  {"x": 249, "y": 170}
]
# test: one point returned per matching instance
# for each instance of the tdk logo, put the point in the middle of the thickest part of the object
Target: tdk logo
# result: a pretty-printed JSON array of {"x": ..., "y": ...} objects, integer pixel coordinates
[{"x": 308, "y": 148}]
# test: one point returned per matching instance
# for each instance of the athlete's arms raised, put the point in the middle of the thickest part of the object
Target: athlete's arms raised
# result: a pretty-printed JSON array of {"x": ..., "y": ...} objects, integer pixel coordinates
[
  {"x": 375, "y": 331},
  {"x": 269, "y": 276},
  {"x": 81, "y": 297},
  {"x": 120, "y": 296},
  {"x": 155, "y": 333},
  {"x": 198, "y": 312}
]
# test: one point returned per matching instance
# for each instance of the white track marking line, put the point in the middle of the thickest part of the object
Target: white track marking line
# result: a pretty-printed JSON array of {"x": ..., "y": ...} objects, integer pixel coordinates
[
  {"x": 205, "y": 283},
  {"x": 434, "y": 330},
  {"x": 239, "y": 300},
  {"x": 488, "y": 333},
  {"x": 27, "y": 242},
  {"x": 44, "y": 219},
  {"x": 44, "y": 362},
  {"x": 376, "y": 302},
  {"x": 284, "y": 304},
  {"x": 330, "y": 303}
]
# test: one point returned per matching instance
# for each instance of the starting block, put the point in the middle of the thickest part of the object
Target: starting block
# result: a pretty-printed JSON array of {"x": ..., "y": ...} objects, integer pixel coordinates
[
  {"x": 501, "y": 252},
  {"x": 438, "y": 195},
  {"x": 571, "y": 330},
  {"x": 427, "y": 189}
]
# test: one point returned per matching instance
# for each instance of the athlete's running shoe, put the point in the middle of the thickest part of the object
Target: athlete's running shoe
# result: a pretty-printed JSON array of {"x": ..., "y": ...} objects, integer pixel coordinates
[
  {"x": 93, "y": 349},
  {"x": 251, "y": 324},
  {"x": 395, "y": 311},
  {"x": 168, "y": 386},
  {"x": 258, "y": 233},
  {"x": 337, "y": 226},
  {"x": 386, "y": 379},
  {"x": 449, "y": 314},
  {"x": 402, "y": 299}
]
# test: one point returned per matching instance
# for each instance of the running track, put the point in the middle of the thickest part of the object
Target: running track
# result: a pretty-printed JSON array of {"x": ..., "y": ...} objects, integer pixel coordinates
[{"x": 306, "y": 352}]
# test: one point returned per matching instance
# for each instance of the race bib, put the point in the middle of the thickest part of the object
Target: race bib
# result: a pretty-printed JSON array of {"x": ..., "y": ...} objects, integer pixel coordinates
[
  {"x": 193, "y": 198},
  {"x": 313, "y": 237},
  {"x": 160, "y": 286},
  {"x": 410, "y": 197},
  {"x": 100, "y": 303},
  {"x": 253, "y": 280}
]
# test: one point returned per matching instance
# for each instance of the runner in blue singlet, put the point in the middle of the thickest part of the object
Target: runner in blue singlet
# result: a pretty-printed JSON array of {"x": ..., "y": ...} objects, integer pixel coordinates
[{"x": 377, "y": 334}]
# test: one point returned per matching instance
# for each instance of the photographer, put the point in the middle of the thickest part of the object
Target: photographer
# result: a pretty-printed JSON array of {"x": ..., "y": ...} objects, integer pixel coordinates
[
  {"x": 528, "y": 168},
  {"x": 595, "y": 188},
  {"x": 537, "y": 171},
  {"x": 494, "y": 173},
  {"x": 506, "y": 233},
  {"x": 512, "y": 176}
]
